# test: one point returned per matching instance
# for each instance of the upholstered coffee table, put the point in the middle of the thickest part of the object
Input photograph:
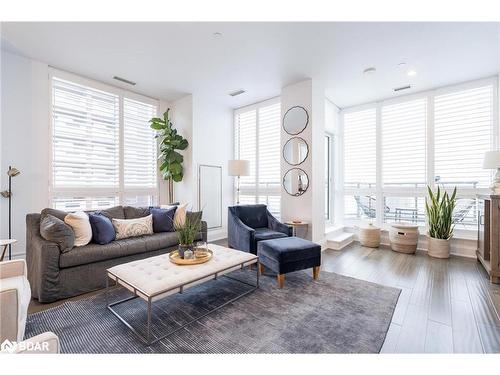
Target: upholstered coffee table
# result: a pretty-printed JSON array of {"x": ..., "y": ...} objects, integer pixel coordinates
[{"x": 155, "y": 278}]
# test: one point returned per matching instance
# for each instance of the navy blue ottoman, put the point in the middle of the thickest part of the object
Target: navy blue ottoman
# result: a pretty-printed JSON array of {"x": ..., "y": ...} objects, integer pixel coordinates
[{"x": 288, "y": 254}]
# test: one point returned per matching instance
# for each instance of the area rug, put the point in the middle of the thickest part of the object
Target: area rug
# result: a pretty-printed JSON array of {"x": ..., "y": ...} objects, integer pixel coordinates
[{"x": 335, "y": 314}]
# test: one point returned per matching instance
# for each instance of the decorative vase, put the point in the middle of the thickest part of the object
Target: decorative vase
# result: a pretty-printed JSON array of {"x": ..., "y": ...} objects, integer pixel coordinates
[
  {"x": 438, "y": 248},
  {"x": 182, "y": 249}
]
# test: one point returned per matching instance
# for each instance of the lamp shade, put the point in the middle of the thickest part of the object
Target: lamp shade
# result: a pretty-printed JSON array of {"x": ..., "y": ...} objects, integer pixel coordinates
[
  {"x": 491, "y": 160},
  {"x": 238, "y": 168}
]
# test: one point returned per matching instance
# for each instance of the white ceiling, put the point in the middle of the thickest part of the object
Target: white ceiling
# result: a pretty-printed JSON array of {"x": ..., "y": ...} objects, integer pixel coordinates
[{"x": 169, "y": 60}]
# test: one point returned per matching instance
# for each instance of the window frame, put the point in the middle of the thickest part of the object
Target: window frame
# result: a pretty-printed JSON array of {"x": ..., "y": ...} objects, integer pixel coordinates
[
  {"x": 256, "y": 191},
  {"x": 120, "y": 192},
  {"x": 380, "y": 191}
]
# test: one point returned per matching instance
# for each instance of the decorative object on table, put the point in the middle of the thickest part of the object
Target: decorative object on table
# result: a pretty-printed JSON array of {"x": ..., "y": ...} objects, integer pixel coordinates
[
  {"x": 250, "y": 223},
  {"x": 404, "y": 237},
  {"x": 295, "y": 224},
  {"x": 295, "y": 120},
  {"x": 492, "y": 161},
  {"x": 5, "y": 244},
  {"x": 187, "y": 232},
  {"x": 171, "y": 161},
  {"x": 210, "y": 194},
  {"x": 12, "y": 172},
  {"x": 195, "y": 258},
  {"x": 295, "y": 151},
  {"x": 295, "y": 182},
  {"x": 439, "y": 208},
  {"x": 369, "y": 235},
  {"x": 238, "y": 168}
]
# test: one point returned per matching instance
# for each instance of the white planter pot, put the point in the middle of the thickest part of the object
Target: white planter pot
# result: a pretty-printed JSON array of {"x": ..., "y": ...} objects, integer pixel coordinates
[{"x": 438, "y": 248}]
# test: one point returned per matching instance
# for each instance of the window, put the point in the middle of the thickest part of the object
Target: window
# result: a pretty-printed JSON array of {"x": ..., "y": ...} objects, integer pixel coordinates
[
  {"x": 103, "y": 151},
  {"x": 394, "y": 149},
  {"x": 257, "y": 139},
  {"x": 328, "y": 155}
]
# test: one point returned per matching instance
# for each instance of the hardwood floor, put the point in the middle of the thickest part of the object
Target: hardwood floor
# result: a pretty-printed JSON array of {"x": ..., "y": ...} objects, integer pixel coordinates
[{"x": 446, "y": 306}]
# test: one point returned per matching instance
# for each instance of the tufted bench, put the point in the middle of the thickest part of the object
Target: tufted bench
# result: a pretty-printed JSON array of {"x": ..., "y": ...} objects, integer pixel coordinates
[
  {"x": 155, "y": 278},
  {"x": 284, "y": 255}
]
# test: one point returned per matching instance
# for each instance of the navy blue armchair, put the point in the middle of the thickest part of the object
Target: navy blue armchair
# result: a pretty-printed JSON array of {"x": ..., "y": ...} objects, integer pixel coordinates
[{"x": 248, "y": 224}]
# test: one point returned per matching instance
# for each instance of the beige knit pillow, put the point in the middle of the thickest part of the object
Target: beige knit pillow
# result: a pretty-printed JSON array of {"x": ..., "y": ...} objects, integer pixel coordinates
[
  {"x": 79, "y": 222},
  {"x": 180, "y": 213},
  {"x": 133, "y": 227}
]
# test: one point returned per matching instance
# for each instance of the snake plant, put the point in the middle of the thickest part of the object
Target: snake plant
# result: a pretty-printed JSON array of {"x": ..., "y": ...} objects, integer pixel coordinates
[{"x": 439, "y": 207}]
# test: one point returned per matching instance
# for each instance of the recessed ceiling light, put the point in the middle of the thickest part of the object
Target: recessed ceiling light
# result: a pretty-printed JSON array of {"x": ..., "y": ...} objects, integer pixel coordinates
[
  {"x": 217, "y": 35},
  {"x": 369, "y": 71},
  {"x": 411, "y": 73}
]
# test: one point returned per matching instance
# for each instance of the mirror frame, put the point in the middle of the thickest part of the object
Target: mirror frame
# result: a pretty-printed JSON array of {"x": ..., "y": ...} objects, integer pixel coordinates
[
  {"x": 308, "y": 182},
  {"x": 305, "y": 157},
  {"x": 305, "y": 125}
]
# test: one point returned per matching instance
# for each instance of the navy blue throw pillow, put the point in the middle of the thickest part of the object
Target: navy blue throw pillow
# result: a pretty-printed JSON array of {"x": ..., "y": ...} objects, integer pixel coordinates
[
  {"x": 163, "y": 219},
  {"x": 103, "y": 231}
]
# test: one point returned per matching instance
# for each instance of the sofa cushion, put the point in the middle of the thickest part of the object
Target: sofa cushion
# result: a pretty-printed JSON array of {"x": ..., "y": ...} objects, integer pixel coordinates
[
  {"x": 253, "y": 215},
  {"x": 120, "y": 248},
  {"x": 56, "y": 230},
  {"x": 163, "y": 219},
  {"x": 52, "y": 211},
  {"x": 79, "y": 222},
  {"x": 262, "y": 234},
  {"x": 116, "y": 212},
  {"x": 136, "y": 212},
  {"x": 133, "y": 227},
  {"x": 103, "y": 231}
]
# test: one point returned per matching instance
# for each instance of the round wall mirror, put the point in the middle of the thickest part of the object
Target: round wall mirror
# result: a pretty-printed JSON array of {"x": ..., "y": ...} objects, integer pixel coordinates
[
  {"x": 295, "y": 182},
  {"x": 295, "y": 151},
  {"x": 295, "y": 120}
]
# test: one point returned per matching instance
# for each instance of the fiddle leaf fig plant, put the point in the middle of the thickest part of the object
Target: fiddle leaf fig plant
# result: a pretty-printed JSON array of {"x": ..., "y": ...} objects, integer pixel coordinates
[{"x": 169, "y": 141}]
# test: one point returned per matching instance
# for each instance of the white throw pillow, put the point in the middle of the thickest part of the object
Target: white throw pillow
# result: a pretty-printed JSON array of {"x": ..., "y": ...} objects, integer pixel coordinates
[
  {"x": 180, "y": 213},
  {"x": 79, "y": 222},
  {"x": 126, "y": 228}
]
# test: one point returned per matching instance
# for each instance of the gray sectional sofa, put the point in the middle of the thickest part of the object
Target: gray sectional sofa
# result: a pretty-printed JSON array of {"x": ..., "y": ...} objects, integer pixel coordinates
[{"x": 55, "y": 275}]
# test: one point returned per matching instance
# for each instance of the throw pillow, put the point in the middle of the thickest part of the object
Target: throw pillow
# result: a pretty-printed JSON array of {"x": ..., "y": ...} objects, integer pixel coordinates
[
  {"x": 55, "y": 230},
  {"x": 163, "y": 219},
  {"x": 133, "y": 227},
  {"x": 80, "y": 223},
  {"x": 103, "y": 231},
  {"x": 52, "y": 211},
  {"x": 135, "y": 212},
  {"x": 180, "y": 213}
]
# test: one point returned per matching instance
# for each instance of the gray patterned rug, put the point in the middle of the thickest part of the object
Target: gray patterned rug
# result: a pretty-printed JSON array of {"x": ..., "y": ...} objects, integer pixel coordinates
[{"x": 335, "y": 314}]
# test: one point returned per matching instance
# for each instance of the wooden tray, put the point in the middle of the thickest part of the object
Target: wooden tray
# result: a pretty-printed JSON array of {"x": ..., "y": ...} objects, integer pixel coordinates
[{"x": 174, "y": 258}]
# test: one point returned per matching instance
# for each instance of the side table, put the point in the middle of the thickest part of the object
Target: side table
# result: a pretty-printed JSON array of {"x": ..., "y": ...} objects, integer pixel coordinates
[
  {"x": 297, "y": 224},
  {"x": 4, "y": 244}
]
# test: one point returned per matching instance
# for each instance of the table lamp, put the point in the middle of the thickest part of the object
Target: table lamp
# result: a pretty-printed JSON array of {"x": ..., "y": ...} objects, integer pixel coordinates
[
  {"x": 492, "y": 161},
  {"x": 238, "y": 168}
]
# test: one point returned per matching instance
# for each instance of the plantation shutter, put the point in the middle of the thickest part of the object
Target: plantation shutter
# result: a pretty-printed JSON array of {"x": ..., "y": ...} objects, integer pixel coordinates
[
  {"x": 246, "y": 149},
  {"x": 404, "y": 143},
  {"x": 140, "y": 160},
  {"x": 85, "y": 130},
  {"x": 360, "y": 149},
  {"x": 463, "y": 128}
]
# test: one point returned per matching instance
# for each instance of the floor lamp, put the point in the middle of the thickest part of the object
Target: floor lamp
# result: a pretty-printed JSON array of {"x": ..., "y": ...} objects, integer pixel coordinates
[
  {"x": 238, "y": 168},
  {"x": 12, "y": 172}
]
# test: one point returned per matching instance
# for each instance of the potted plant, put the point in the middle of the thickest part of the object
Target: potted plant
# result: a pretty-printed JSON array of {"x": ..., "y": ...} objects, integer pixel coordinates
[
  {"x": 169, "y": 141},
  {"x": 439, "y": 208},
  {"x": 187, "y": 232}
]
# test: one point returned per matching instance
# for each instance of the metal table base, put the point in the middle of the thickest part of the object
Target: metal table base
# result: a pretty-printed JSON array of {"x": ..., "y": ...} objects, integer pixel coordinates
[{"x": 147, "y": 338}]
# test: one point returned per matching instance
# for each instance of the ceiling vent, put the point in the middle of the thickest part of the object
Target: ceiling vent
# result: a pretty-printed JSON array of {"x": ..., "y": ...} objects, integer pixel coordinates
[
  {"x": 402, "y": 88},
  {"x": 124, "y": 80},
  {"x": 236, "y": 93}
]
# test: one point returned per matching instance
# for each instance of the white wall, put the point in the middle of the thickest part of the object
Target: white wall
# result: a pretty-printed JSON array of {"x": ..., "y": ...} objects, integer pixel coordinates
[
  {"x": 213, "y": 145},
  {"x": 24, "y": 141},
  {"x": 310, "y": 205}
]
